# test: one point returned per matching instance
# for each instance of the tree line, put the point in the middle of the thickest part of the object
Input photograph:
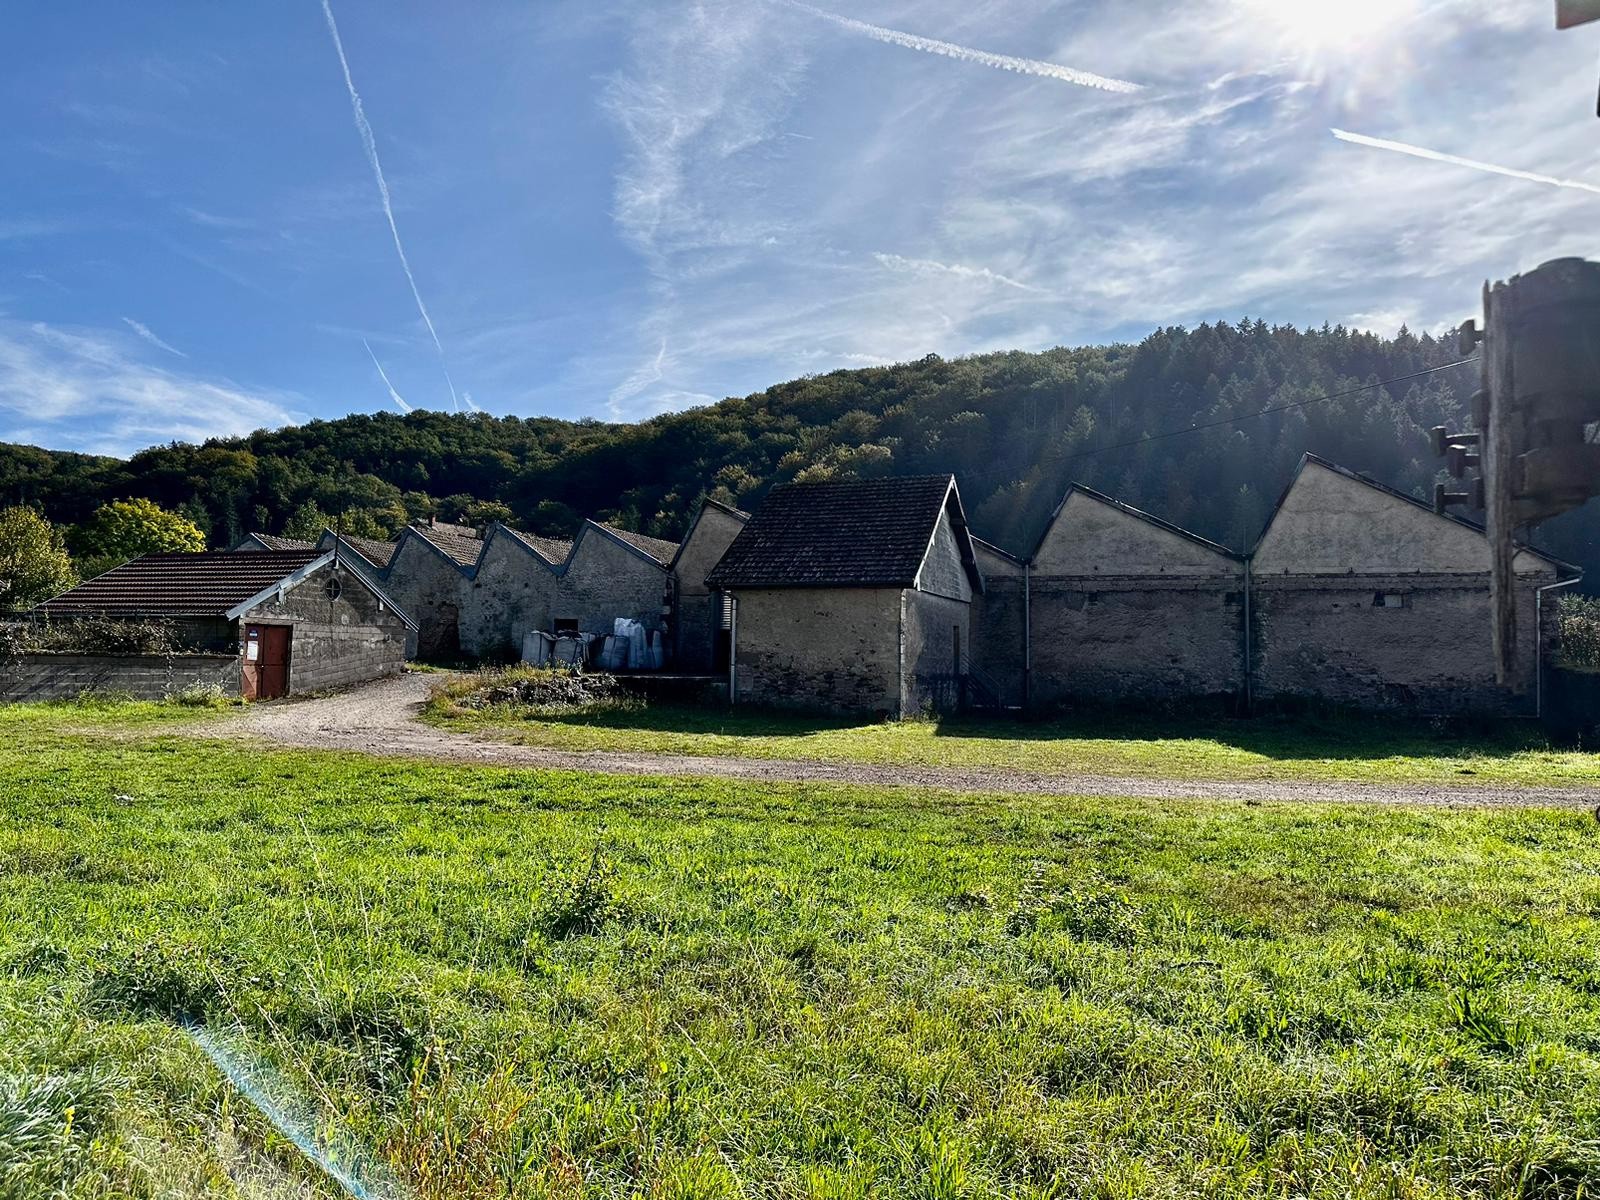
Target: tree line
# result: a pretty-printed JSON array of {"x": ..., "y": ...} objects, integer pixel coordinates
[{"x": 1016, "y": 428}]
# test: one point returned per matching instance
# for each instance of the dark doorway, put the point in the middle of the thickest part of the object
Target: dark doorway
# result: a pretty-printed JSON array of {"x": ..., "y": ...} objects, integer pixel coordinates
[{"x": 266, "y": 662}]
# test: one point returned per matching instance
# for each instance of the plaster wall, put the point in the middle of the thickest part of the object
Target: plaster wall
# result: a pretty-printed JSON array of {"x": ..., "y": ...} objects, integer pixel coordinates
[
  {"x": 1089, "y": 537},
  {"x": 829, "y": 648}
]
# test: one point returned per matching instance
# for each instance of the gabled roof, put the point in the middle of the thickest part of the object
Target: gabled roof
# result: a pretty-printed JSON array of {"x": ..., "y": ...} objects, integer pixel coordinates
[
  {"x": 376, "y": 552},
  {"x": 458, "y": 543},
  {"x": 996, "y": 550},
  {"x": 657, "y": 550},
  {"x": 738, "y": 514},
  {"x": 1138, "y": 514},
  {"x": 551, "y": 551},
  {"x": 1316, "y": 460},
  {"x": 269, "y": 541},
  {"x": 190, "y": 585},
  {"x": 843, "y": 533}
]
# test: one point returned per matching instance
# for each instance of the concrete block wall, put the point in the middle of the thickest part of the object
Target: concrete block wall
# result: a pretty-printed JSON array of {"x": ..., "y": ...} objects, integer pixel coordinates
[
  {"x": 339, "y": 642},
  {"x": 142, "y": 676}
]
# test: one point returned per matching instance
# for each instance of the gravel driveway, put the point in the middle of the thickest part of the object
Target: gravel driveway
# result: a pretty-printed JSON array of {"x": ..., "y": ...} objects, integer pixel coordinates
[{"x": 381, "y": 719}]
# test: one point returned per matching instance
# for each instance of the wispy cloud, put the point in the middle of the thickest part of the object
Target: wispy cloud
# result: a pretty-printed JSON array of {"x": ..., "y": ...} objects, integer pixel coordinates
[
  {"x": 1361, "y": 139},
  {"x": 383, "y": 375},
  {"x": 924, "y": 265},
  {"x": 81, "y": 388},
  {"x": 370, "y": 144},
  {"x": 647, "y": 375},
  {"x": 143, "y": 330},
  {"x": 1002, "y": 62}
]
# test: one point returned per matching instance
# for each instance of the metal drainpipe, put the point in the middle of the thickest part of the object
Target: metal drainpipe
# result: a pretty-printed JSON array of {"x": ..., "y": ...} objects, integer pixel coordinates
[
  {"x": 733, "y": 649},
  {"x": 1027, "y": 634},
  {"x": 1538, "y": 642},
  {"x": 1249, "y": 672}
]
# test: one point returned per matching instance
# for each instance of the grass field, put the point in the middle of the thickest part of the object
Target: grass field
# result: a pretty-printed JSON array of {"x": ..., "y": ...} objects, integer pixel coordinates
[
  {"x": 1378, "y": 750},
  {"x": 511, "y": 983}
]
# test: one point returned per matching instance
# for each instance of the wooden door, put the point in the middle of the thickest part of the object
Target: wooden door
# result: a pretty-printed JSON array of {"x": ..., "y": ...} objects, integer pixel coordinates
[{"x": 266, "y": 662}]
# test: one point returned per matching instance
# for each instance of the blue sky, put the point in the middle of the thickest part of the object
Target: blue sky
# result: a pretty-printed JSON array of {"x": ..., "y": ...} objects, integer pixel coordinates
[{"x": 615, "y": 210}]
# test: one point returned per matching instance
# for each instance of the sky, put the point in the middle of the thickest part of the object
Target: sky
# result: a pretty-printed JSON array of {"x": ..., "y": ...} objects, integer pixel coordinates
[{"x": 216, "y": 218}]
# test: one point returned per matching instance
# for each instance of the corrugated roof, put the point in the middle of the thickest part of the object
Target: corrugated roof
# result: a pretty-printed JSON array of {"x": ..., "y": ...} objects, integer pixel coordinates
[
  {"x": 553, "y": 550},
  {"x": 459, "y": 543},
  {"x": 202, "y": 585},
  {"x": 847, "y": 533},
  {"x": 660, "y": 550}
]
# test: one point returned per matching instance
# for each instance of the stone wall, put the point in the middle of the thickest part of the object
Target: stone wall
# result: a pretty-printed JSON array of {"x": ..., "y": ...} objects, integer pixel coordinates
[
  {"x": 999, "y": 635},
  {"x": 931, "y": 627},
  {"x": 1103, "y": 638},
  {"x": 697, "y": 610},
  {"x": 142, "y": 676},
  {"x": 1324, "y": 638},
  {"x": 430, "y": 589},
  {"x": 943, "y": 571},
  {"x": 514, "y": 591},
  {"x": 605, "y": 580},
  {"x": 831, "y": 648},
  {"x": 335, "y": 643}
]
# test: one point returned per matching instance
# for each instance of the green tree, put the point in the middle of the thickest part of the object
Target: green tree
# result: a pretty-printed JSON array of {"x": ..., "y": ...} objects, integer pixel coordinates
[
  {"x": 307, "y": 522},
  {"x": 33, "y": 559},
  {"x": 125, "y": 529}
]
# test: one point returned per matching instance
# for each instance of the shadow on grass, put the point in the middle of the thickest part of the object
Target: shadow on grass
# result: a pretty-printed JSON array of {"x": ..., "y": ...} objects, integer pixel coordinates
[{"x": 1286, "y": 737}]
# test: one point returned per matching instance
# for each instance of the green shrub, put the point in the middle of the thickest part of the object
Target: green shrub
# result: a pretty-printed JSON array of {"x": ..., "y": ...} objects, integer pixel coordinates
[
  {"x": 1578, "y": 627},
  {"x": 201, "y": 695}
]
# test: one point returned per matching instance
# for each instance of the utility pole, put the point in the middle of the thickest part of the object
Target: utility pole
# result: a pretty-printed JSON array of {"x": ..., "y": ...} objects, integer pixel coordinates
[{"x": 1540, "y": 355}]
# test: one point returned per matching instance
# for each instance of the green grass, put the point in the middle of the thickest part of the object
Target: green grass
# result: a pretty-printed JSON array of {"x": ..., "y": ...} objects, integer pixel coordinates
[
  {"x": 1330, "y": 748},
  {"x": 513, "y": 983}
]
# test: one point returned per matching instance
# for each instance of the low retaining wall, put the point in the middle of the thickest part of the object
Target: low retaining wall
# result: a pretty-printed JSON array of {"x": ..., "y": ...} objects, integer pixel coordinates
[{"x": 142, "y": 676}]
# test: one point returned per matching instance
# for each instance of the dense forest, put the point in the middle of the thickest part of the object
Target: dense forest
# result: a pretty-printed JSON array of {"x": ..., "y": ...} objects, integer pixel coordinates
[{"x": 1016, "y": 428}]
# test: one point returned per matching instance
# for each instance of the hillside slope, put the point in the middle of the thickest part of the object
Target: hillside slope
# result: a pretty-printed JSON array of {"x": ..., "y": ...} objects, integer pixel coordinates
[{"x": 1015, "y": 427}]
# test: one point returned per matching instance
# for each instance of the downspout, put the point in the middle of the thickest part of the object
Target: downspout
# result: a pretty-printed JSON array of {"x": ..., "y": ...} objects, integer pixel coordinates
[
  {"x": 733, "y": 649},
  {"x": 1538, "y": 642},
  {"x": 1249, "y": 671},
  {"x": 1027, "y": 634}
]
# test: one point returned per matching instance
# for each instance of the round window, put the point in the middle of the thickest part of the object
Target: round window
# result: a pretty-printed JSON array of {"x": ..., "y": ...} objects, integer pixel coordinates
[{"x": 333, "y": 588}]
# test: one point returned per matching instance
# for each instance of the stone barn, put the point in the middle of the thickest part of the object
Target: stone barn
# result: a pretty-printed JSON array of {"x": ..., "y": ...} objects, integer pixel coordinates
[
  {"x": 701, "y": 614},
  {"x": 1125, "y": 607},
  {"x": 279, "y": 622},
  {"x": 613, "y": 573},
  {"x": 1363, "y": 597},
  {"x": 429, "y": 567},
  {"x": 269, "y": 541},
  {"x": 515, "y": 587},
  {"x": 853, "y": 595},
  {"x": 1000, "y": 624}
]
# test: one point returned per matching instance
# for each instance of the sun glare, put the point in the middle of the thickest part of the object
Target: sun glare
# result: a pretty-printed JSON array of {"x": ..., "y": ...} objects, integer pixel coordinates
[{"x": 1333, "y": 26}]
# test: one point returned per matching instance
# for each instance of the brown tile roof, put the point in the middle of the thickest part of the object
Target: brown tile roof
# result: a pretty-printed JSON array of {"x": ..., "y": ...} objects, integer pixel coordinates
[
  {"x": 660, "y": 550},
  {"x": 201, "y": 585},
  {"x": 459, "y": 543},
  {"x": 376, "y": 552},
  {"x": 847, "y": 533},
  {"x": 553, "y": 550},
  {"x": 270, "y": 541}
]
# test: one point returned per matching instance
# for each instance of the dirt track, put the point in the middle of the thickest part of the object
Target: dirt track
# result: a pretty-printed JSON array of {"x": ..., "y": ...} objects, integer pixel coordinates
[{"x": 381, "y": 719}]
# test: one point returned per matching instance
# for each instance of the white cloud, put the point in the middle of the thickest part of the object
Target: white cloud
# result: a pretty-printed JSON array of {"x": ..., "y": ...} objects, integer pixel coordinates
[{"x": 82, "y": 388}]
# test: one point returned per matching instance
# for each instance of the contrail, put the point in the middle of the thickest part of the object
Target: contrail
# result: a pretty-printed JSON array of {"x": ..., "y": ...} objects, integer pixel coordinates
[
  {"x": 1003, "y": 62},
  {"x": 383, "y": 375},
  {"x": 896, "y": 262},
  {"x": 370, "y": 144},
  {"x": 144, "y": 331},
  {"x": 1361, "y": 139}
]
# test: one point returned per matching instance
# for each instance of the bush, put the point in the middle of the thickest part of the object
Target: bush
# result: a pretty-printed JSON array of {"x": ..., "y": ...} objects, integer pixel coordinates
[
  {"x": 201, "y": 695},
  {"x": 91, "y": 635},
  {"x": 1578, "y": 628}
]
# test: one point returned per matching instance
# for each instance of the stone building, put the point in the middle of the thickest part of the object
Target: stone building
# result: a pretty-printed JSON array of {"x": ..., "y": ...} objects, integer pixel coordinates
[
  {"x": 428, "y": 567},
  {"x": 262, "y": 625},
  {"x": 1000, "y": 624},
  {"x": 700, "y": 615},
  {"x": 1362, "y": 596},
  {"x": 270, "y": 541},
  {"x": 515, "y": 587},
  {"x": 1123, "y": 606},
  {"x": 853, "y": 595},
  {"x": 613, "y": 573}
]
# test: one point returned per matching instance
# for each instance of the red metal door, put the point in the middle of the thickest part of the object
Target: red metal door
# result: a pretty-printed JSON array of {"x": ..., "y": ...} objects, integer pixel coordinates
[{"x": 266, "y": 662}]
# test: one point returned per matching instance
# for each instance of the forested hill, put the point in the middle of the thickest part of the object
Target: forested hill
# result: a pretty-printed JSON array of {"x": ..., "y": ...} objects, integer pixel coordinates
[{"x": 1015, "y": 427}]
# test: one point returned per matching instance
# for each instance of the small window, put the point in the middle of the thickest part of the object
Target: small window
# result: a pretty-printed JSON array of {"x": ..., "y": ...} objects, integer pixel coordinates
[
  {"x": 1391, "y": 600},
  {"x": 566, "y": 626},
  {"x": 334, "y": 588}
]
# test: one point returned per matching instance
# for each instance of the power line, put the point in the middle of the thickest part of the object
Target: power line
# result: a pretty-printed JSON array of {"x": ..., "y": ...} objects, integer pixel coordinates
[{"x": 1265, "y": 412}]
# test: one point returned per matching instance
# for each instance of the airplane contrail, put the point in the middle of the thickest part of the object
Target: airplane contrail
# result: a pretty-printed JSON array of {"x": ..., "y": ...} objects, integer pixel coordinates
[
  {"x": 1455, "y": 160},
  {"x": 370, "y": 145},
  {"x": 383, "y": 375},
  {"x": 1002, "y": 62}
]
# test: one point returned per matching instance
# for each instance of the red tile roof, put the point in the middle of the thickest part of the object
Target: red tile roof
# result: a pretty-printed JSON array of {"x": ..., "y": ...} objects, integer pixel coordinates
[{"x": 197, "y": 585}]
